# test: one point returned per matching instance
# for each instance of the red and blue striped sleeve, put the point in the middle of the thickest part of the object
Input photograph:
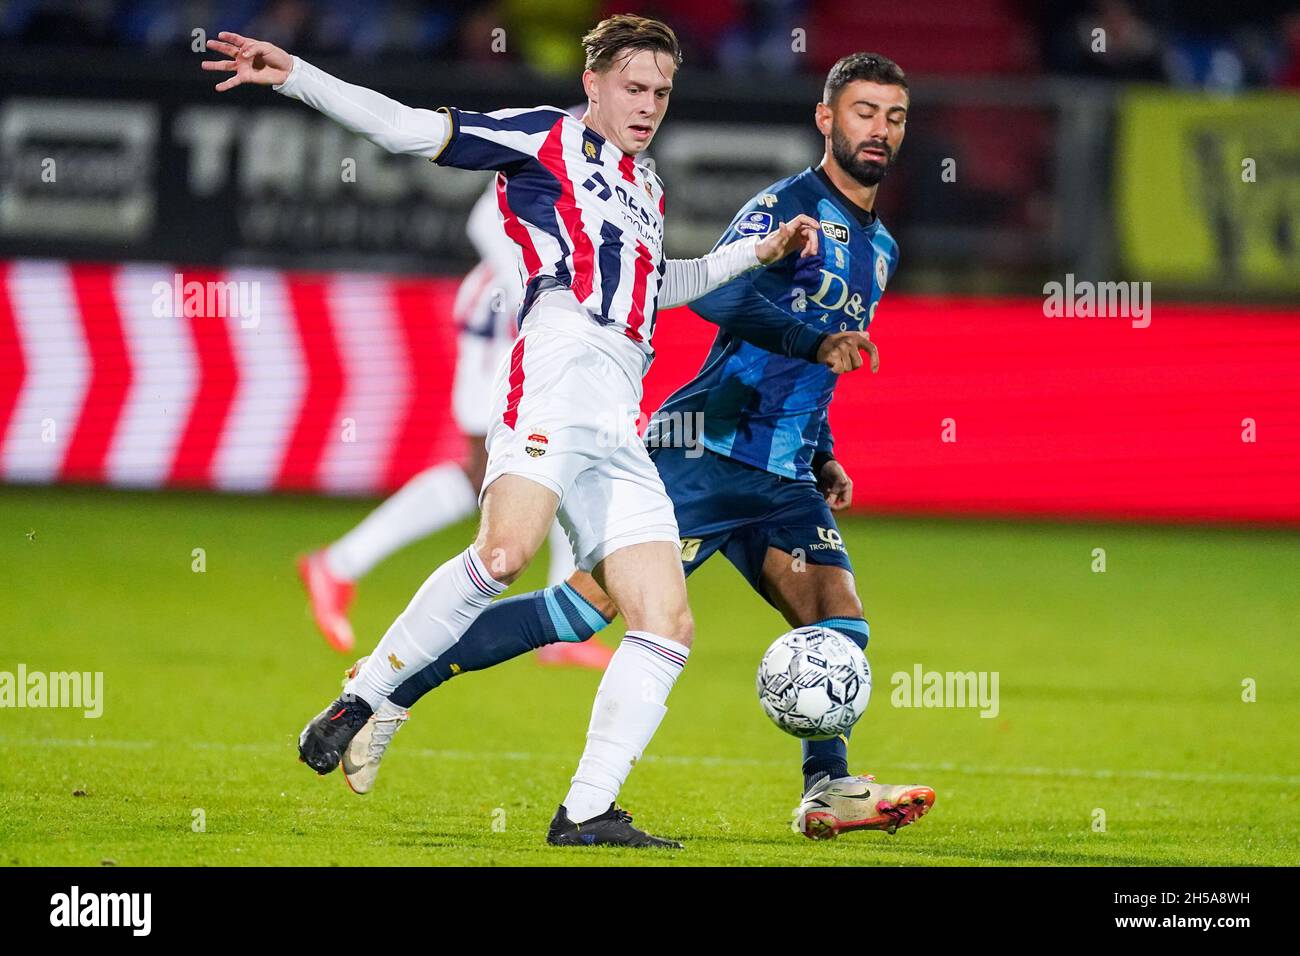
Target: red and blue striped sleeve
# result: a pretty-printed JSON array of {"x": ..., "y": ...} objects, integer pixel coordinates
[{"x": 500, "y": 140}]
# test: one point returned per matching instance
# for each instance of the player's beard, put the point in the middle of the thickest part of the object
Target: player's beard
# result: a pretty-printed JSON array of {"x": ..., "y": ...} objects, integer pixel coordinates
[{"x": 866, "y": 171}]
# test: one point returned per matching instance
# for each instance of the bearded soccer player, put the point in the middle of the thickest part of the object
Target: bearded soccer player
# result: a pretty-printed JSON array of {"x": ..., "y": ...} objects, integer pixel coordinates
[
  {"x": 766, "y": 483},
  {"x": 589, "y": 225}
]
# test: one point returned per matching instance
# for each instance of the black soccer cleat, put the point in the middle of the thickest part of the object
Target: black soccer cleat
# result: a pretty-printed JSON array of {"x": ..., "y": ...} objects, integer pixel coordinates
[
  {"x": 322, "y": 742},
  {"x": 611, "y": 828}
]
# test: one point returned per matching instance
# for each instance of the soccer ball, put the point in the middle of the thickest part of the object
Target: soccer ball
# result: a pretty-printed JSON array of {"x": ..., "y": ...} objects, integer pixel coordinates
[{"x": 814, "y": 683}]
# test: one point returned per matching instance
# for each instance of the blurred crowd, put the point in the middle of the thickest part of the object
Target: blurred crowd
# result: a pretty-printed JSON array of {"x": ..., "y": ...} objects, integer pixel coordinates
[{"x": 1208, "y": 44}]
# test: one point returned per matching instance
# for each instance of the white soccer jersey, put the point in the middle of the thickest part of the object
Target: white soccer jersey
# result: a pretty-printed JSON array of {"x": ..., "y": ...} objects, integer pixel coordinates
[{"x": 583, "y": 214}]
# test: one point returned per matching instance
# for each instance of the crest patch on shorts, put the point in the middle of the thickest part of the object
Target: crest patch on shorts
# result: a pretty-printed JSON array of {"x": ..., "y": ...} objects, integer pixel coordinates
[{"x": 536, "y": 443}]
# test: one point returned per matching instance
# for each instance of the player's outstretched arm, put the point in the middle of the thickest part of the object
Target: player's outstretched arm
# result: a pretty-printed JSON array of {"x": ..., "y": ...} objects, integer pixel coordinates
[
  {"x": 688, "y": 279},
  {"x": 251, "y": 61},
  {"x": 385, "y": 122},
  {"x": 799, "y": 233}
]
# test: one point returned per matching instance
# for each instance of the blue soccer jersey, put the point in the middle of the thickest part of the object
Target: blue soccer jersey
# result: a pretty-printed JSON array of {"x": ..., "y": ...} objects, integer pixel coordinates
[{"x": 757, "y": 407}]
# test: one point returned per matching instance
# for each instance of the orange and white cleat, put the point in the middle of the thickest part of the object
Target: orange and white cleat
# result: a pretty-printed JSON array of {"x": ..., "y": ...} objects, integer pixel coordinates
[
  {"x": 589, "y": 653},
  {"x": 330, "y": 597},
  {"x": 831, "y": 807}
]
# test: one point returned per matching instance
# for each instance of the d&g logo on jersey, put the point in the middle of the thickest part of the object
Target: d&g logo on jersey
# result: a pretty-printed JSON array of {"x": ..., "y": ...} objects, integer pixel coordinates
[
  {"x": 829, "y": 539},
  {"x": 536, "y": 443}
]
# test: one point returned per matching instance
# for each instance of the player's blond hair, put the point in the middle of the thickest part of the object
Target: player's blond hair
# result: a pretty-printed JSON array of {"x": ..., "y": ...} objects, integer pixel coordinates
[{"x": 627, "y": 31}]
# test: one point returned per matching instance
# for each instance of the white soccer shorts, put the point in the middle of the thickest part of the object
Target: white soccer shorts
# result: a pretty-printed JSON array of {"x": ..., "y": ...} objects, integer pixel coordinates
[{"x": 564, "y": 415}]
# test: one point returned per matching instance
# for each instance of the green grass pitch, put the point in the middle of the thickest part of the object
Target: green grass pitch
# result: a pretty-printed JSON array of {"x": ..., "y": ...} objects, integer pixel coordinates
[{"x": 1121, "y": 693}]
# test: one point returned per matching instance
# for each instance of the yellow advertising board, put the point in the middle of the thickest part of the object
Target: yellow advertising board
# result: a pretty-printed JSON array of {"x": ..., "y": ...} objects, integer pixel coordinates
[{"x": 1208, "y": 189}]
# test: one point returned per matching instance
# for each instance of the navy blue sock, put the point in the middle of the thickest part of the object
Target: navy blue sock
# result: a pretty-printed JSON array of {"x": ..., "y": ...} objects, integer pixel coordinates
[
  {"x": 832, "y": 756},
  {"x": 507, "y": 629}
]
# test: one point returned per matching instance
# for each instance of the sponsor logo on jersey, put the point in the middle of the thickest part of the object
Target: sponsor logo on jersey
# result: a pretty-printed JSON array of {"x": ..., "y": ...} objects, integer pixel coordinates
[
  {"x": 589, "y": 149},
  {"x": 882, "y": 272},
  {"x": 690, "y": 548},
  {"x": 536, "y": 443},
  {"x": 395, "y": 663},
  {"x": 835, "y": 230},
  {"x": 755, "y": 224},
  {"x": 767, "y": 199}
]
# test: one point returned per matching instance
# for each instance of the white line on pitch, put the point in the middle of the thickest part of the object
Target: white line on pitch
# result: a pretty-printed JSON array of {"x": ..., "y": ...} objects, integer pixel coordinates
[{"x": 1099, "y": 773}]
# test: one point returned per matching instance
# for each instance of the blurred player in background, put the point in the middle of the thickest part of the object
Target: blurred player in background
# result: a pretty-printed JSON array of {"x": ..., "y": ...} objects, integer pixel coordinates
[
  {"x": 485, "y": 313},
  {"x": 764, "y": 486}
]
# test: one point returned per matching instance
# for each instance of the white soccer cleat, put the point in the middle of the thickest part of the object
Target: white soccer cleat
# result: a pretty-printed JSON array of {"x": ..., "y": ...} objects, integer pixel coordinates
[
  {"x": 831, "y": 807},
  {"x": 362, "y": 758}
]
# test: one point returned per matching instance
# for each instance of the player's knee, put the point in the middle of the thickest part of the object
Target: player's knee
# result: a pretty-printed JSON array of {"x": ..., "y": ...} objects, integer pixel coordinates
[
  {"x": 676, "y": 624},
  {"x": 504, "y": 560},
  {"x": 680, "y": 627}
]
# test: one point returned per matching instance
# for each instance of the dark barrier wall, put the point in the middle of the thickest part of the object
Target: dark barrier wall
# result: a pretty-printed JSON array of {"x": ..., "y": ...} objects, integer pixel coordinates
[{"x": 121, "y": 156}]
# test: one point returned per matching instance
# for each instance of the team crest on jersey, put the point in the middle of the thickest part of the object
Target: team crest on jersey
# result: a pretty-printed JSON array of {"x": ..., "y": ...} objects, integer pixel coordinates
[
  {"x": 882, "y": 271},
  {"x": 536, "y": 444},
  {"x": 835, "y": 230},
  {"x": 767, "y": 199},
  {"x": 755, "y": 224}
]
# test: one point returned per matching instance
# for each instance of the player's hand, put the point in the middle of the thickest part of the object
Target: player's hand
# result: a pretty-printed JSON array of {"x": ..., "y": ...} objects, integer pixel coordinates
[
  {"x": 252, "y": 61},
  {"x": 842, "y": 352},
  {"x": 801, "y": 233},
  {"x": 835, "y": 485}
]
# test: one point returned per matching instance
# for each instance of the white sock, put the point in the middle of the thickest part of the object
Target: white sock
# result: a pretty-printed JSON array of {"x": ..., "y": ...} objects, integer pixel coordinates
[
  {"x": 629, "y": 706},
  {"x": 432, "y": 500},
  {"x": 437, "y": 617},
  {"x": 561, "y": 564}
]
